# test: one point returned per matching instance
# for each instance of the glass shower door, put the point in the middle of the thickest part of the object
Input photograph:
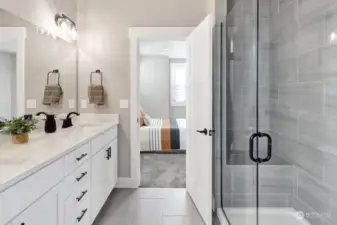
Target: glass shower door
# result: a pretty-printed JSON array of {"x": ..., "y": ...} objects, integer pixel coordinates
[{"x": 240, "y": 156}]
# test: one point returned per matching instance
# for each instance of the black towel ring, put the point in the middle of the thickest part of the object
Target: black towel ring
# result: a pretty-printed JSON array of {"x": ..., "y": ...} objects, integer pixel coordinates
[
  {"x": 96, "y": 72},
  {"x": 54, "y": 72}
]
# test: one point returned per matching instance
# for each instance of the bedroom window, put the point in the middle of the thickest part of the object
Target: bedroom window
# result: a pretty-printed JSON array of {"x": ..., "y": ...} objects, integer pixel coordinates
[{"x": 178, "y": 73}]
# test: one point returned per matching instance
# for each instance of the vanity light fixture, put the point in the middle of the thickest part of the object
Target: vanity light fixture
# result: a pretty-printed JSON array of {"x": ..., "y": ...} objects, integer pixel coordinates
[{"x": 66, "y": 24}]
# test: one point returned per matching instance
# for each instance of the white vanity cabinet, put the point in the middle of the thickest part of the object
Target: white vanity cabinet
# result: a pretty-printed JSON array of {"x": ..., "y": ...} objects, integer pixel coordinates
[
  {"x": 104, "y": 176},
  {"x": 70, "y": 190}
]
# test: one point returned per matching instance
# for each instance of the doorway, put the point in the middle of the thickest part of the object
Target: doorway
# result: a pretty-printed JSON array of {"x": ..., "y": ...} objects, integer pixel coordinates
[
  {"x": 162, "y": 90},
  {"x": 199, "y": 130}
]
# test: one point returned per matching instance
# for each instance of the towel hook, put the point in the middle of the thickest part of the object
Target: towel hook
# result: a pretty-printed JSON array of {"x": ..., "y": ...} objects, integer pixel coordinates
[
  {"x": 56, "y": 71},
  {"x": 97, "y": 72}
]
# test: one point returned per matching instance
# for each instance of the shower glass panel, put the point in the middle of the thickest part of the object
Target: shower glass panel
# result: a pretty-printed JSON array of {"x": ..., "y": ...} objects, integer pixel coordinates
[
  {"x": 280, "y": 151},
  {"x": 239, "y": 172}
]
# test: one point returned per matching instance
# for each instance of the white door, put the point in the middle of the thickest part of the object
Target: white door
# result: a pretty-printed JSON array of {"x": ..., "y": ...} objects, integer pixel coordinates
[{"x": 199, "y": 118}]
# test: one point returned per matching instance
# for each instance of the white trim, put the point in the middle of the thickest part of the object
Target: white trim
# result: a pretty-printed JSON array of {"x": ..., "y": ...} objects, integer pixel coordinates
[
  {"x": 136, "y": 34},
  {"x": 126, "y": 182},
  {"x": 221, "y": 216},
  {"x": 20, "y": 34}
]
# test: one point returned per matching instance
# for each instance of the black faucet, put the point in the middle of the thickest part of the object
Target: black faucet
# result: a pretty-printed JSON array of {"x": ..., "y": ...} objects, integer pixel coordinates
[
  {"x": 67, "y": 122},
  {"x": 50, "y": 125}
]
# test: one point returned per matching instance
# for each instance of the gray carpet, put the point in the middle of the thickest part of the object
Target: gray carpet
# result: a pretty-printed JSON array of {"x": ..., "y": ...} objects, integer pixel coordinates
[{"x": 163, "y": 170}]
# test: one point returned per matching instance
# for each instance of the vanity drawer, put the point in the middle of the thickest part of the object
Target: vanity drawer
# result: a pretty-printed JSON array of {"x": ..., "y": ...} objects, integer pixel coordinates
[
  {"x": 76, "y": 180},
  {"x": 102, "y": 140},
  {"x": 78, "y": 212},
  {"x": 21, "y": 195},
  {"x": 77, "y": 157}
]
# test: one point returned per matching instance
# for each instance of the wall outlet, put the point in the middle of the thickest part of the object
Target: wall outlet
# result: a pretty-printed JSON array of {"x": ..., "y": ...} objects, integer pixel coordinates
[
  {"x": 124, "y": 104},
  {"x": 71, "y": 103},
  {"x": 84, "y": 103},
  {"x": 31, "y": 103}
]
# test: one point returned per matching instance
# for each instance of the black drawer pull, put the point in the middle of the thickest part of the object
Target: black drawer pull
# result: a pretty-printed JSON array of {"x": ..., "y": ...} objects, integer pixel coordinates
[
  {"x": 83, "y": 214},
  {"x": 81, "y": 157},
  {"x": 82, "y": 175},
  {"x": 82, "y": 195}
]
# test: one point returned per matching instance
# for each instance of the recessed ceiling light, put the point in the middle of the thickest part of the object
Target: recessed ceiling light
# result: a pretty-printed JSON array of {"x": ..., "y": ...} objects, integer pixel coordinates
[{"x": 166, "y": 49}]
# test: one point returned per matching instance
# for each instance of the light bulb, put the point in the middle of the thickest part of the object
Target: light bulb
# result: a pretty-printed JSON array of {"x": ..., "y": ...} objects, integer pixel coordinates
[
  {"x": 73, "y": 33},
  {"x": 333, "y": 37},
  {"x": 64, "y": 25}
]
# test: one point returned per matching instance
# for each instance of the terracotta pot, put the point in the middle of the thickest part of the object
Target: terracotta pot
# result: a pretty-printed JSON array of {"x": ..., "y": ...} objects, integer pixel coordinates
[{"x": 20, "y": 138}]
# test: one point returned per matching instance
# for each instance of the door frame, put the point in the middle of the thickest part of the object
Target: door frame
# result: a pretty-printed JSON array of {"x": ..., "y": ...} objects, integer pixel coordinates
[
  {"x": 135, "y": 35},
  {"x": 19, "y": 34}
]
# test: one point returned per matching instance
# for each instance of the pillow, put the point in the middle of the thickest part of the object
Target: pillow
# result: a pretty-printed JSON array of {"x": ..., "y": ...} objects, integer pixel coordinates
[
  {"x": 147, "y": 119},
  {"x": 141, "y": 121}
]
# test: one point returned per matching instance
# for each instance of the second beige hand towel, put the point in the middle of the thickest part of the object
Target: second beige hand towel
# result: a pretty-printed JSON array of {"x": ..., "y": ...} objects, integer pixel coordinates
[{"x": 96, "y": 94}]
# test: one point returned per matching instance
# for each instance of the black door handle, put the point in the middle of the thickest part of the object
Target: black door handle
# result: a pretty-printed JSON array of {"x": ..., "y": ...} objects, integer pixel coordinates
[
  {"x": 269, "y": 145},
  {"x": 108, "y": 151},
  {"x": 251, "y": 147},
  {"x": 204, "y": 131}
]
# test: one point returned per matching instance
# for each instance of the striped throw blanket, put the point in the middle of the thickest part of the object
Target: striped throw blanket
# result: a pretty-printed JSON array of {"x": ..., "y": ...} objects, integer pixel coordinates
[{"x": 164, "y": 135}]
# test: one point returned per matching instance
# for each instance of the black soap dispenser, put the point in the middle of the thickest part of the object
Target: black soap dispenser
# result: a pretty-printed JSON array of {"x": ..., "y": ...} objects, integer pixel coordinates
[{"x": 50, "y": 125}]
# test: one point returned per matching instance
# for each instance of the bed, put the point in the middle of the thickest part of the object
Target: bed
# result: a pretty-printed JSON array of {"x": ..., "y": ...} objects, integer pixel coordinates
[{"x": 163, "y": 135}]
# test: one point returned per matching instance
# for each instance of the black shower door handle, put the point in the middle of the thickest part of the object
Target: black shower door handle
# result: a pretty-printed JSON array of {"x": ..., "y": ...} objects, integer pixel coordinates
[
  {"x": 269, "y": 147},
  {"x": 251, "y": 147}
]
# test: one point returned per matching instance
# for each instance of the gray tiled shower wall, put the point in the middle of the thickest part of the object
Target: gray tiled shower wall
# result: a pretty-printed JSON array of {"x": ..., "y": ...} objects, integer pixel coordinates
[{"x": 303, "y": 100}]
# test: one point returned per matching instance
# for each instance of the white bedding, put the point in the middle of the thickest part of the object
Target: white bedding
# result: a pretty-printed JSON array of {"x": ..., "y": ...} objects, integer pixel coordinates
[{"x": 151, "y": 140}]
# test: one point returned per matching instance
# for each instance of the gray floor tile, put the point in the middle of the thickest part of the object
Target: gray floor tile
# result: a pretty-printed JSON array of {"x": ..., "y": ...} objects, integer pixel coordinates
[
  {"x": 149, "y": 206},
  {"x": 115, "y": 220},
  {"x": 181, "y": 220}
]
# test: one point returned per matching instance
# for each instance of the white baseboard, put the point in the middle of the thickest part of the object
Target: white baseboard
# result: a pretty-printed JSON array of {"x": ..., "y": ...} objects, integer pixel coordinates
[
  {"x": 126, "y": 182},
  {"x": 222, "y": 218}
]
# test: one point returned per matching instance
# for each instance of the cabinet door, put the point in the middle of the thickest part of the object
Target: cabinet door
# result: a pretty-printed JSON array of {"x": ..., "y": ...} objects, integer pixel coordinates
[
  {"x": 99, "y": 183},
  {"x": 42, "y": 212},
  {"x": 112, "y": 166}
]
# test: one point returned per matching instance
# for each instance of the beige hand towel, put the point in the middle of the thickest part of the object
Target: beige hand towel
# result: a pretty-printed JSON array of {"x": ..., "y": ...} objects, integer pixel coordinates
[
  {"x": 52, "y": 94},
  {"x": 96, "y": 94}
]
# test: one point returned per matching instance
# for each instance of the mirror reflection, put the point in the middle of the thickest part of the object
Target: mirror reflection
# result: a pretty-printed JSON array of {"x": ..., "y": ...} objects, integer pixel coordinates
[{"x": 37, "y": 70}]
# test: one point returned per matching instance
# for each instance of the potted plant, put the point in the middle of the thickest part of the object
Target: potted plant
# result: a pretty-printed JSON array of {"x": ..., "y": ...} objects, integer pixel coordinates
[{"x": 19, "y": 128}]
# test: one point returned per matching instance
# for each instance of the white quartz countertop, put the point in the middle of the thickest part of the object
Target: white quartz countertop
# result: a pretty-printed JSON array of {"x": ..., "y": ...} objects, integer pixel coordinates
[{"x": 19, "y": 161}]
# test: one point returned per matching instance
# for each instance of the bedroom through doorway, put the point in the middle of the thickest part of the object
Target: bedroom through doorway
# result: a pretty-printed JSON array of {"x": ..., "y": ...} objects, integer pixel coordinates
[{"x": 162, "y": 104}]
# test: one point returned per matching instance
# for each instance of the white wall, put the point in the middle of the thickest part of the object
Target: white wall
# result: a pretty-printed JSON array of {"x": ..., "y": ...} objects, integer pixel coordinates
[
  {"x": 154, "y": 86},
  {"x": 7, "y": 84}
]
